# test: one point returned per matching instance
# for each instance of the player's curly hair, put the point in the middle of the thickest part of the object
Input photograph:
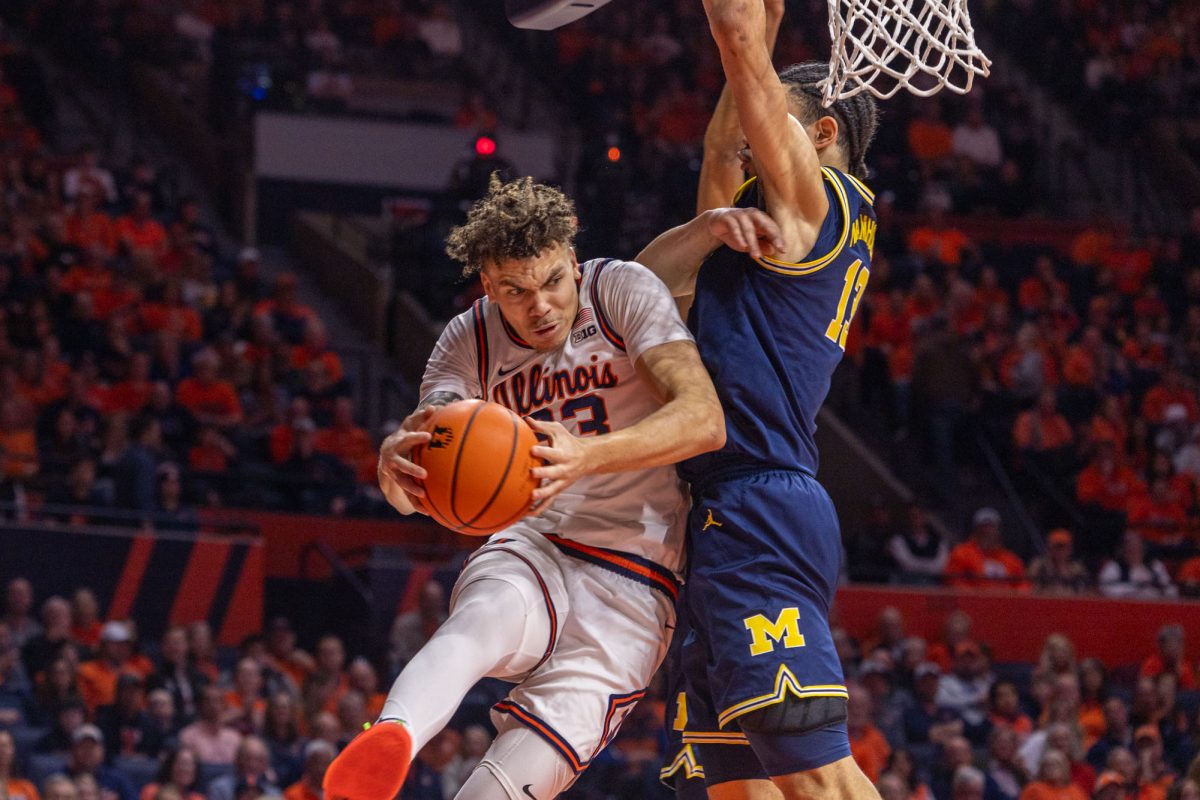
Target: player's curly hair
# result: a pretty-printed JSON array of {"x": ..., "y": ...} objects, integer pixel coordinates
[
  {"x": 518, "y": 219},
  {"x": 857, "y": 116}
]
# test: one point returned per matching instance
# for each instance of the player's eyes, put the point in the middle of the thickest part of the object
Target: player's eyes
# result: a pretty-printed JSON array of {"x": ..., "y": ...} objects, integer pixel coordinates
[{"x": 515, "y": 292}]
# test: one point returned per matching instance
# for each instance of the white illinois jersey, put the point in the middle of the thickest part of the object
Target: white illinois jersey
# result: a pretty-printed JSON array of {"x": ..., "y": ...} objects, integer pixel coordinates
[{"x": 590, "y": 384}]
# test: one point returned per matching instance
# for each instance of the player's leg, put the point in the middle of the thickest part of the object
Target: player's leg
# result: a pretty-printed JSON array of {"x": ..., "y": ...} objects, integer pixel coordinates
[
  {"x": 519, "y": 765},
  {"x": 842, "y": 778},
  {"x": 501, "y": 624},
  {"x": 745, "y": 790},
  {"x": 768, "y": 575}
]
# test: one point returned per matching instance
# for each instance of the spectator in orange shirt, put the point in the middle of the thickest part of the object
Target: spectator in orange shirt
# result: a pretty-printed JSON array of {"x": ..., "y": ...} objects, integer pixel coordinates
[
  {"x": 868, "y": 746},
  {"x": 92, "y": 276},
  {"x": 1106, "y": 483},
  {"x": 930, "y": 139},
  {"x": 212, "y": 452},
  {"x": 11, "y": 786},
  {"x": 281, "y": 436},
  {"x": 288, "y": 316},
  {"x": 18, "y": 442},
  {"x": 318, "y": 755},
  {"x": 349, "y": 443},
  {"x": 940, "y": 241},
  {"x": 1091, "y": 244},
  {"x": 245, "y": 708},
  {"x": 1004, "y": 709},
  {"x": 87, "y": 226},
  {"x": 138, "y": 232},
  {"x": 97, "y": 679},
  {"x": 1170, "y": 391},
  {"x": 327, "y": 682},
  {"x": 172, "y": 315},
  {"x": 132, "y": 394},
  {"x": 983, "y": 561},
  {"x": 364, "y": 680},
  {"x": 1054, "y": 780},
  {"x": 1144, "y": 353},
  {"x": 1171, "y": 657},
  {"x": 1110, "y": 424},
  {"x": 1158, "y": 516},
  {"x": 1036, "y": 291},
  {"x": 316, "y": 348},
  {"x": 284, "y": 657},
  {"x": 1188, "y": 577},
  {"x": 211, "y": 400},
  {"x": 1042, "y": 429}
]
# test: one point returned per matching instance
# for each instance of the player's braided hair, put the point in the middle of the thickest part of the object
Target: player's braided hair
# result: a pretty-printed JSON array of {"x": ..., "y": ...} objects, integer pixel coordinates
[
  {"x": 518, "y": 219},
  {"x": 857, "y": 116}
]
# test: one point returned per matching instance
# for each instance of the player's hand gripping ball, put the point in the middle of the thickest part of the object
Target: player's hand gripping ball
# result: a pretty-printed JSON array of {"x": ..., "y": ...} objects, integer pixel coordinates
[{"x": 478, "y": 462}]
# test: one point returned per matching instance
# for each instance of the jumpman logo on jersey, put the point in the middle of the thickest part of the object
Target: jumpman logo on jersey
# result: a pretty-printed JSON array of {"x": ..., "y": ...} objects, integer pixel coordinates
[{"x": 710, "y": 522}]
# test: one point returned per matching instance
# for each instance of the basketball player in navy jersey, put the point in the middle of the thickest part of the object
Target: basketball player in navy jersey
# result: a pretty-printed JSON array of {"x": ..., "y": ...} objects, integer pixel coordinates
[{"x": 771, "y": 326}]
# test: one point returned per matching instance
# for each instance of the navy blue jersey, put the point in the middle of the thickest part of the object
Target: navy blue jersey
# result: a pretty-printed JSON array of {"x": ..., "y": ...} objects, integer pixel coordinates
[{"x": 771, "y": 333}]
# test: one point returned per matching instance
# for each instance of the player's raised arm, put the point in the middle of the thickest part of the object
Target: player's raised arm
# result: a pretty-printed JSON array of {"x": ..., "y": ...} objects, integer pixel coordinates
[
  {"x": 675, "y": 256},
  {"x": 721, "y": 171},
  {"x": 785, "y": 159}
]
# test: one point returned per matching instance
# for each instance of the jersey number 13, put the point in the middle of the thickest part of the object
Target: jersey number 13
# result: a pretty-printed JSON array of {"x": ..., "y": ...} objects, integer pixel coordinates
[{"x": 852, "y": 292}]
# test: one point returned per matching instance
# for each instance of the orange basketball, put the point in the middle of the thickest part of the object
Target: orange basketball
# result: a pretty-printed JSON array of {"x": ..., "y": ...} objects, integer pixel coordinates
[{"x": 478, "y": 462}]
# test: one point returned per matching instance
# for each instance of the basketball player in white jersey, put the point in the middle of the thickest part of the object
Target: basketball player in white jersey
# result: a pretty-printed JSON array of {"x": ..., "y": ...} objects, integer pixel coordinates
[{"x": 575, "y": 603}]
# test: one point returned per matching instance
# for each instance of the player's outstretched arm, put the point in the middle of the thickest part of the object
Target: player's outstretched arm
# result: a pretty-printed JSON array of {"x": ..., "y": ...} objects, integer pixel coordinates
[
  {"x": 676, "y": 255},
  {"x": 689, "y": 422},
  {"x": 785, "y": 159},
  {"x": 721, "y": 169}
]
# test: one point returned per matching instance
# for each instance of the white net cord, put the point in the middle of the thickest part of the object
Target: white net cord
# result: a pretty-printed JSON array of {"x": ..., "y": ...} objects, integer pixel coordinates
[{"x": 882, "y": 46}]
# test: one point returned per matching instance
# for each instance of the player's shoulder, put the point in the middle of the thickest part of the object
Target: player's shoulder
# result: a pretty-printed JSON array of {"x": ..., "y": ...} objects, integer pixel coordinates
[
  {"x": 606, "y": 275},
  {"x": 856, "y": 190},
  {"x": 474, "y": 317}
]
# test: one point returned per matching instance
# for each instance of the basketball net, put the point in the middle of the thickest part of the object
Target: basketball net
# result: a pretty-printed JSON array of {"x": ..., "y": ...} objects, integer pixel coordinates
[{"x": 882, "y": 46}]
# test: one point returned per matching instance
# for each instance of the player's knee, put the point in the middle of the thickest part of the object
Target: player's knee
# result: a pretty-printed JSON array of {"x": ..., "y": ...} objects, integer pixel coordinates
[{"x": 795, "y": 715}]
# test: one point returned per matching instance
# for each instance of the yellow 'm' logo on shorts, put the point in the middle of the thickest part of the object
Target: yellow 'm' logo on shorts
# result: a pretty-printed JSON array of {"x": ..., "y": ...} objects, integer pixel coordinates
[
  {"x": 764, "y": 632},
  {"x": 710, "y": 522}
]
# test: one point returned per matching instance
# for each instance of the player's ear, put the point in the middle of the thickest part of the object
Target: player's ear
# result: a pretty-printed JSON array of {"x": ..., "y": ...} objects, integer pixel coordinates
[
  {"x": 825, "y": 132},
  {"x": 575, "y": 271},
  {"x": 485, "y": 280}
]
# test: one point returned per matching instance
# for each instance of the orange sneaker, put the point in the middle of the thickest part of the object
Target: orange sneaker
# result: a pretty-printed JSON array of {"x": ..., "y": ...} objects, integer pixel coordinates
[{"x": 373, "y": 766}]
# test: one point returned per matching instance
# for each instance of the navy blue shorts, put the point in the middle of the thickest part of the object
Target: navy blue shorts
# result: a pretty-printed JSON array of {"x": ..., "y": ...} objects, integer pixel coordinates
[
  {"x": 765, "y": 556},
  {"x": 694, "y": 761}
]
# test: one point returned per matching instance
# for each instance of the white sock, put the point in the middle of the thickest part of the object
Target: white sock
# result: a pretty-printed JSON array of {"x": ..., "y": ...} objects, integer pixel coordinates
[{"x": 490, "y": 631}]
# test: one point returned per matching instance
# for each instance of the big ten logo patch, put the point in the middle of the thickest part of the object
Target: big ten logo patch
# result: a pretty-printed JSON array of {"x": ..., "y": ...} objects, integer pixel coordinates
[
  {"x": 580, "y": 334},
  {"x": 764, "y": 633},
  {"x": 441, "y": 437}
]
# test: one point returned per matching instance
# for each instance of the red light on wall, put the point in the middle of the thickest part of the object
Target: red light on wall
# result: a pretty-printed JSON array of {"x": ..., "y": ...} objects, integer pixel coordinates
[
  {"x": 485, "y": 146},
  {"x": 614, "y": 154}
]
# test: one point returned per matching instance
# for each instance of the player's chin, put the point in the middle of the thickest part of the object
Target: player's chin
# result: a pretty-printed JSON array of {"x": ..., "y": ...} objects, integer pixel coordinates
[{"x": 548, "y": 337}]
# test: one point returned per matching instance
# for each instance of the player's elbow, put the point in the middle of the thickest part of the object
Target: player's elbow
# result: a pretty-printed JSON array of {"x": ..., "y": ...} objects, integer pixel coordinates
[
  {"x": 732, "y": 24},
  {"x": 709, "y": 426}
]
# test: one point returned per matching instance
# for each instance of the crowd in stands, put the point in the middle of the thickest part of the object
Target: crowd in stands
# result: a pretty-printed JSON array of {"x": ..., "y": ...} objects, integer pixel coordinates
[
  {"x": 913, "y": 552},
  {"x": 89, "y": 709},
  {"x": 145, "y": 367},
  {"x": 1115, "y": 63}
]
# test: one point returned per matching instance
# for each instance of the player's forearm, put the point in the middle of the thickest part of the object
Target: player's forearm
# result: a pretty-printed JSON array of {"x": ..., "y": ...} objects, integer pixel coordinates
[
  {"x": 675, "y": 256},
  {"x": 687, "y": 425}
]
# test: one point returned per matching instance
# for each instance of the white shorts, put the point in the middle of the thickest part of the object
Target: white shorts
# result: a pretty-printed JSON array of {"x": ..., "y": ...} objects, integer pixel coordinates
[{"x": 610, "y": 618}]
